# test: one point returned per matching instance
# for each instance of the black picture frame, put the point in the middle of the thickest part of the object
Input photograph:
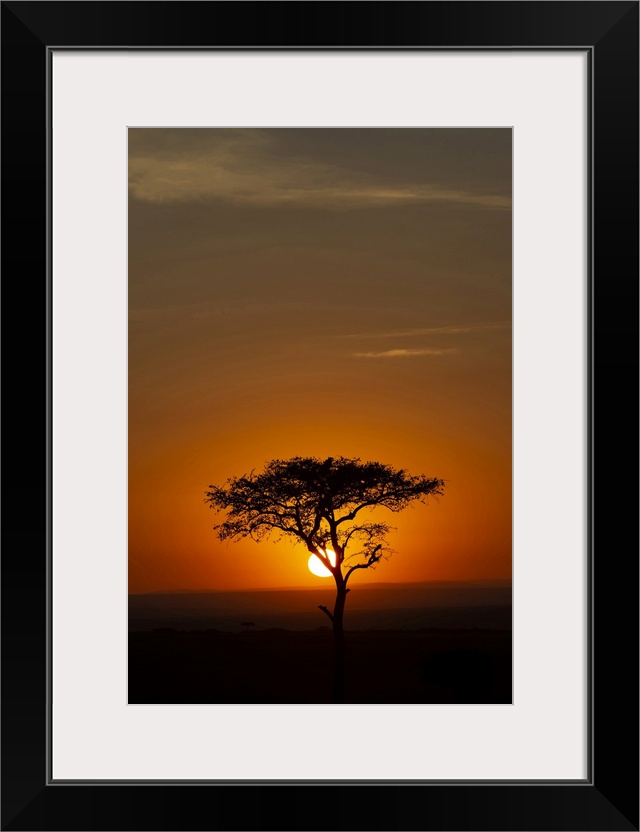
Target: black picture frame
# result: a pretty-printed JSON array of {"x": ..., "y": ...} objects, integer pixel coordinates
[{"x": 608, "y": 798}]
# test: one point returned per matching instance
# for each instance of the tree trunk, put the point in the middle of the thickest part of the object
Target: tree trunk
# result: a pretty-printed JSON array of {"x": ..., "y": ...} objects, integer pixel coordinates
[{"x": 338, "y": 640}]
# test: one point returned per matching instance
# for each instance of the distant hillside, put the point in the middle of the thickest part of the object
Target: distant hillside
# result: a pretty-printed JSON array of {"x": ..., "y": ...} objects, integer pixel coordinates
[{"x": 485, "y": 605}]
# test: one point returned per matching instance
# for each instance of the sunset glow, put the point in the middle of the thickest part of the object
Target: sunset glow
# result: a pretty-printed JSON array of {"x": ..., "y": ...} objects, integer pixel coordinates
[{"x": 318, "y": 292}]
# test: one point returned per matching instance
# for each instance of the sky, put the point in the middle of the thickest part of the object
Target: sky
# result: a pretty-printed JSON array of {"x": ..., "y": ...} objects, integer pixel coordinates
[{"x": 318, "y": 292}]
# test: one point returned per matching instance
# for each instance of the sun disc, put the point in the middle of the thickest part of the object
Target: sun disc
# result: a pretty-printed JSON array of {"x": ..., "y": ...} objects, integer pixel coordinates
[{"x": 317, "y": 567}]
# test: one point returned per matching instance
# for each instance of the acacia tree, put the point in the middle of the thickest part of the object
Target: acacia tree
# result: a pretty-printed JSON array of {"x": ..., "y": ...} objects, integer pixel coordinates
[{"x": 321, "y": 504}]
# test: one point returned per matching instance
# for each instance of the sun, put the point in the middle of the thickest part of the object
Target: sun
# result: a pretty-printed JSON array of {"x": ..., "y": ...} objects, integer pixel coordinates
[{"x": 317, "y": 567}]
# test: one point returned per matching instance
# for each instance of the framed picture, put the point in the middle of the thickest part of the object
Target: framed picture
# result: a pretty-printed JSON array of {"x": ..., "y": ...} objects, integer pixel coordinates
[{"x": 279, "y": 115}]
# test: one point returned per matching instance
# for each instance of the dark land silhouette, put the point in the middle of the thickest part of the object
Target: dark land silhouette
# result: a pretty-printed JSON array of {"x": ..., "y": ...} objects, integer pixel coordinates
[{"x": 405, "y": 644}]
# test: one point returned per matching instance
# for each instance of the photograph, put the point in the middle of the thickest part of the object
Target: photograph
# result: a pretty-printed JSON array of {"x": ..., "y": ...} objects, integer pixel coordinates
[{"x": 320, "y": 416}]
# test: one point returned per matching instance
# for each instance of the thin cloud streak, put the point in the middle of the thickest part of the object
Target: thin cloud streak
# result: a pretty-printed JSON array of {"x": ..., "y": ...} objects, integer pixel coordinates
[
  {"x": 404, "y": 353},
  {"x": 221, "y": 175},
  {"x": 434, "y": 330}
]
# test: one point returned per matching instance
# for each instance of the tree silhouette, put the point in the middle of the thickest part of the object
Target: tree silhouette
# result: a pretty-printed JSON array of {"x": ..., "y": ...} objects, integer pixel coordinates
[{"x": 323, "y": 505}]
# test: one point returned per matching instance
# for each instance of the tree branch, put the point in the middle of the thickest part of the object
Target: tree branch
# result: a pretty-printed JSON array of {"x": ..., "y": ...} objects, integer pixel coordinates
[
  {"x": 374, "y": 557},
  {"x": 326, "y": 612},
  {"x": 352, "y": 514},
  {"x": 322, "y": 557}
]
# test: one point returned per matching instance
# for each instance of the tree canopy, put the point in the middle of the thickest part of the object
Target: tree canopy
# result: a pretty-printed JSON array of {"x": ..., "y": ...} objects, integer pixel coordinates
[{"x": 320, "y": 503}]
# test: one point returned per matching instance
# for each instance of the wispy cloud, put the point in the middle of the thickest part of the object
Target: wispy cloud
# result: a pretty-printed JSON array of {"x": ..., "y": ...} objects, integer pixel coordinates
[
  {"x": 433, "y": 330},
  {"x": 239, "y": 170},
  {"x": 403, "y": 353}
]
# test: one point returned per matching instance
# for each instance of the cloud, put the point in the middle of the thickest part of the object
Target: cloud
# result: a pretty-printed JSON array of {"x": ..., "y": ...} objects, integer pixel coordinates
[
  {"x": 240, "y": 170},
  {"x": 433, "y": 330},
  {"x": 403, "y": 353}
]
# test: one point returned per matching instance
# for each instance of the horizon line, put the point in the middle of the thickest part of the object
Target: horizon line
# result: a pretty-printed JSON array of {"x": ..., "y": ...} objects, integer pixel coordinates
[{"x": 327, "y": 585}]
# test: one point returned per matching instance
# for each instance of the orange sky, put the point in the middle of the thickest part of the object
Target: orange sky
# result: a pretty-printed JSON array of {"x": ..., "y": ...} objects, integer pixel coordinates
[{"x": 318, "y": 293}]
